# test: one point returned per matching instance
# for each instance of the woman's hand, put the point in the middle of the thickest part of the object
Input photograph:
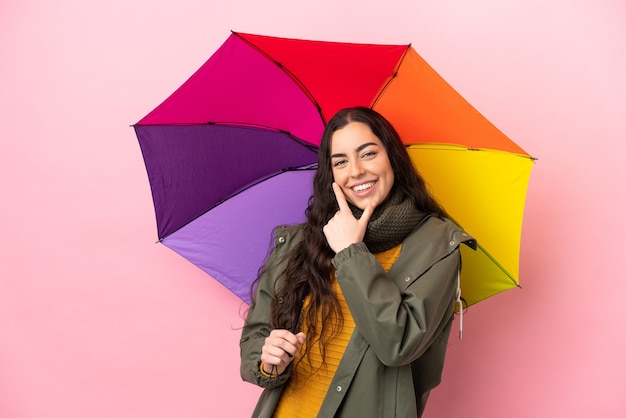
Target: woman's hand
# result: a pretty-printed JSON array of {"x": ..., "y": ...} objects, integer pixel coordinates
[
  {"x": 280, "y": 348},
  {"x": 344, "y": 229}
]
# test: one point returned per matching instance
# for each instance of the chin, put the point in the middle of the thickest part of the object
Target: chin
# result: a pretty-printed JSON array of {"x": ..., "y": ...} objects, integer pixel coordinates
[{"x": 362, "y": 205}]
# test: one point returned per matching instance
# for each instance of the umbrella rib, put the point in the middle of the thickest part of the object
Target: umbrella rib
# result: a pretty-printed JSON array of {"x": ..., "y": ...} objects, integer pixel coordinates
[
  {"x": 291, "y": 136},
  {"x": 241, "y": 190},
  {"x": 505, "y": 271},
  {"x": 488, "y": 254},
  {"x": 289, "y": 74},
  {"x": 294, "y": 138},
  {"x": 460, "y": 148},
  {"x": 391, "y": 78}
]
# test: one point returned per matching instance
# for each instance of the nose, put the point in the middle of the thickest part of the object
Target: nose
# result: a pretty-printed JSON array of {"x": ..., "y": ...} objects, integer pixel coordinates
[{"x": 357, "y": 169}]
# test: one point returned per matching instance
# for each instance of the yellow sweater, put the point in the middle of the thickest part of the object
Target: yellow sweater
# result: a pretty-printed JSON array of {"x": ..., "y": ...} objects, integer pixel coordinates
[{"x": 305, "y": 391}]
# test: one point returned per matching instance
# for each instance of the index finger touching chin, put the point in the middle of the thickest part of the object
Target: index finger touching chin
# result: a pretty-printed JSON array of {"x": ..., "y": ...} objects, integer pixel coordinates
[{"x": 341, "y": 198}]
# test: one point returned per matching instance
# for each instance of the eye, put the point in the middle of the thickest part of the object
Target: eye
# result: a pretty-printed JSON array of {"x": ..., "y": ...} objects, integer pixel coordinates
[
  {"x": 369, "y": 154},
  {"x": 339, "y": 163}
]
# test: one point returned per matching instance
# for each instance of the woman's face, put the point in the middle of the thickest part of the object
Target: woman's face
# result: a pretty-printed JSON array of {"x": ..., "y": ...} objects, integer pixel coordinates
[{"x": 360, "y": 165}]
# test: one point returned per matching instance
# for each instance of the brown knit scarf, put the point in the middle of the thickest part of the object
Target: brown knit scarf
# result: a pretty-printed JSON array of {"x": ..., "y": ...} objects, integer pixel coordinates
[{"x": 390, "y": 223}]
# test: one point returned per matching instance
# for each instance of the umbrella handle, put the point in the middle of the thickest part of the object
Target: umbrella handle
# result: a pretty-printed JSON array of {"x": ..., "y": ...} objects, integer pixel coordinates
[{"x": 459, "y": 300}]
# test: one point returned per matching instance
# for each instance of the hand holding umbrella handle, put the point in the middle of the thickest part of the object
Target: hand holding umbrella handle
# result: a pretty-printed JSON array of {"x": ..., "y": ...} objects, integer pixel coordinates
[
  {"x": 279, "y": 350},
  {"x": 343, "y": 229}
]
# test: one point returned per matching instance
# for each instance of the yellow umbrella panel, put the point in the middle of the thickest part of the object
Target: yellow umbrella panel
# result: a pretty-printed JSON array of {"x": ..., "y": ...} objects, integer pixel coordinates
[
  {"x": 484, "y": 192},
  {"x": 475, "y": 171}
]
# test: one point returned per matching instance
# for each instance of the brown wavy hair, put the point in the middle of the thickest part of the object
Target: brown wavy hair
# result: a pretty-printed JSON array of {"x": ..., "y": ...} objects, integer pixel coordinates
[{"x": 308, "y": 268}]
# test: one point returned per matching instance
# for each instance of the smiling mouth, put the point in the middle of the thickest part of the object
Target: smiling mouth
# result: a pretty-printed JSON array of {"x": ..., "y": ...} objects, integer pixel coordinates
[{"x": 362, "y": 187}]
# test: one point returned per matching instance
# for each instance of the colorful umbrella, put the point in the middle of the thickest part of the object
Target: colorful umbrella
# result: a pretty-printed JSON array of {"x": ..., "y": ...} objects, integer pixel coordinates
[{"x": 231, "y": 153}]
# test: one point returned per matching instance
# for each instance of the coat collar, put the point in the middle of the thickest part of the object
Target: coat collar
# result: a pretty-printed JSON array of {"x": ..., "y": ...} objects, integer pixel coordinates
[{"x": 434, "y": 239}]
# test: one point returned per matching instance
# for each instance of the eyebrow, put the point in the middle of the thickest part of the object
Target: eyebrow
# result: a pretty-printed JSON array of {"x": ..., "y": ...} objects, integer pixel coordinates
[{"x": 358, "y": 149}]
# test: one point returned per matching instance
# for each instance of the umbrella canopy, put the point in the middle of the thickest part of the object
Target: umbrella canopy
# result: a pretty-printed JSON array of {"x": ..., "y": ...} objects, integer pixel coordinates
[{"x": 231, "y": 153}]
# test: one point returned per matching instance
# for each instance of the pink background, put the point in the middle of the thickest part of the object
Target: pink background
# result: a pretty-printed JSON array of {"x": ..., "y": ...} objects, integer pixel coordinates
[{"x": 98, "y": 321}]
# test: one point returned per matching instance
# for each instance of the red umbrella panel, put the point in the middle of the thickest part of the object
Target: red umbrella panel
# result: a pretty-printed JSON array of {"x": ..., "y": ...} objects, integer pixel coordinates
[{"x": 230, "y": 154}]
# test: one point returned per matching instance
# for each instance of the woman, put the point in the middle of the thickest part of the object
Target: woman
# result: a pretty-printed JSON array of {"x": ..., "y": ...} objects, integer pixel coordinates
[{"x": 353, "y": 308}]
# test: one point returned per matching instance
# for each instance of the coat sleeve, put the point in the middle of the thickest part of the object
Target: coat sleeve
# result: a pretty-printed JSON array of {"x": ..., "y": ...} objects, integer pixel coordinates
[
  {"x": 257, "y": 327},
  {"x": 399, "y": 322}
]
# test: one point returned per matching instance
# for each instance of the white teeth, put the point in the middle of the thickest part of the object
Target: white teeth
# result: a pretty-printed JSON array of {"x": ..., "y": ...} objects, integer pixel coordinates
[{"x": 362, "y": 187}]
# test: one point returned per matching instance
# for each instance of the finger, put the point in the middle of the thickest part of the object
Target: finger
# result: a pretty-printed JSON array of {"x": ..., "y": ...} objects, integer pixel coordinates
[
  {"x": 290, "y": 349},
  {"x": 341, "y": 198},
  {"x": 301, "y": 336},
  {"x": 284, "y": 334},
  {"x": 272, "y": 355},
  {"x": 276, "y": 354},
  {"x": 283, "y": 342}
]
